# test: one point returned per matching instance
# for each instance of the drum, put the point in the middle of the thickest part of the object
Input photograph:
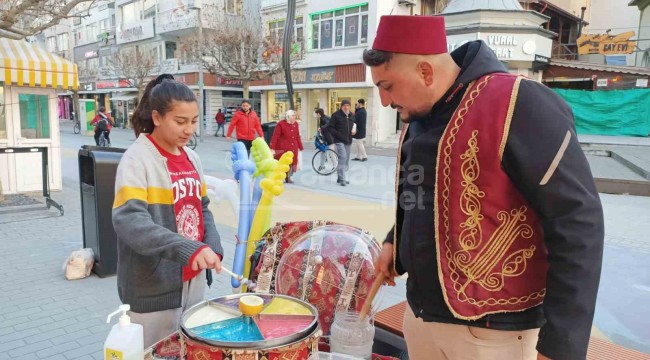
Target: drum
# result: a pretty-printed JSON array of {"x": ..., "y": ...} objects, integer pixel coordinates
[{"x": 286, "y": 328}]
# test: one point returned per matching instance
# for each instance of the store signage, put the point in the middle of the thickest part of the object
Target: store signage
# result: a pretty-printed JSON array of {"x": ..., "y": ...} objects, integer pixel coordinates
[
  {"x": 602, "y": 82},
  {"x": 542, "y": 59},
  {"x": 88, "y": 86},
  {"x": 606, "y": 44},
  {"x": 91, "y": 54},
  {"x": 141, "y": 30},
  {"x": 106, "y": 84},
  {"x": 507, "y": 47},
  {"x": 319, "y": 75},
  {"x": 641, "y": 82}
]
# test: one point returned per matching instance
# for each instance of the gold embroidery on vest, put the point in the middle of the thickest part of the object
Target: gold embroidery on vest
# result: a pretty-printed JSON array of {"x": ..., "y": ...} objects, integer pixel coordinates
[{"x": 481, "y": 268}]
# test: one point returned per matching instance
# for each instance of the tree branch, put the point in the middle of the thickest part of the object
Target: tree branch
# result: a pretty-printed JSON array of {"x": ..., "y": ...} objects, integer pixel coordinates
[{"x": 30, "y": 17}]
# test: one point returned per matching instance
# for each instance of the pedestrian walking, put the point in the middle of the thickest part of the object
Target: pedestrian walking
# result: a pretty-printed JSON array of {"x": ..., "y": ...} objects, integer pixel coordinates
[
  {"x": 220, "y": 118},
  {"x": 358, "y": 139}
]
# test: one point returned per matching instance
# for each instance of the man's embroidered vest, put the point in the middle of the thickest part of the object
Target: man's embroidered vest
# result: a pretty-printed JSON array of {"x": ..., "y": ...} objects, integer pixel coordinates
[{"x": 490, "y": 243}]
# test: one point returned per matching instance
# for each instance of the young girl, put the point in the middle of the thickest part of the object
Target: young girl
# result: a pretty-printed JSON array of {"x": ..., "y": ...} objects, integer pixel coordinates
[{"x": 165, "y": 233}]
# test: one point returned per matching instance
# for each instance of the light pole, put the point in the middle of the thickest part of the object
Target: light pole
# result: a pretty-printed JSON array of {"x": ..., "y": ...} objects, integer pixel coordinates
[
  {"x": 286, "y": 49},
  {"x": 200, "y": 70}
]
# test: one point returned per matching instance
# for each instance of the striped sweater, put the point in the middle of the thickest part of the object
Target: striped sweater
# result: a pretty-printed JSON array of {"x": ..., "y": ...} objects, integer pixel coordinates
[{"x": 150, "y": 251}]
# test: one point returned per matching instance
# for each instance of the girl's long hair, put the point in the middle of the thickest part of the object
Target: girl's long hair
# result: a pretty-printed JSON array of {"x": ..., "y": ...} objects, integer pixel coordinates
[{"x": 158, "y": 95}]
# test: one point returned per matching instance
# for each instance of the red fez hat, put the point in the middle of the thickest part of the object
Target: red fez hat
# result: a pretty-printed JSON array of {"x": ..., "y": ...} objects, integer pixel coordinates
[{"x": 419, "y": 35}]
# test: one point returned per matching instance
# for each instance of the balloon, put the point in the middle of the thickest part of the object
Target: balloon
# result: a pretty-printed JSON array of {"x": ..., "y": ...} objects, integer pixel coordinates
[
  {"x": 243, "y": 169},
  {"x": 264, "y": 165},
  {"x": 272, "y": 186},
  {"x": 223, "y": 189}
]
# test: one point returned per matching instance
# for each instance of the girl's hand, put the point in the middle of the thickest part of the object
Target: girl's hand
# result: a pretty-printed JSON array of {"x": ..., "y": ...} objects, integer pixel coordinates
[{"x": 206, "y": 259}]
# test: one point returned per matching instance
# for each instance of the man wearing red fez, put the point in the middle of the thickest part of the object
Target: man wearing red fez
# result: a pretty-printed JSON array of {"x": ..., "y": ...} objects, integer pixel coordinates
[{"x": 498, "y": 222}]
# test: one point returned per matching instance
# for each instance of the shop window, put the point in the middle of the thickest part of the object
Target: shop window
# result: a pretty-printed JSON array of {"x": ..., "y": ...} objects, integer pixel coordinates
[
  {"x": 34, "y": 116},
  {"x": 340, "y": 28},
  {"x": 3, "y": 121}
]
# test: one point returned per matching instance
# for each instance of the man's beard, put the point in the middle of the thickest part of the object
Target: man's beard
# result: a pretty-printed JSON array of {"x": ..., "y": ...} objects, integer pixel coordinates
[{"x": 415, "y": 116}]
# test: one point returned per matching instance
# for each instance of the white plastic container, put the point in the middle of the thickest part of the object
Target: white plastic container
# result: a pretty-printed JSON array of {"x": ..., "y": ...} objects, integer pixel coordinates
[{"x": 126, "y": 340}]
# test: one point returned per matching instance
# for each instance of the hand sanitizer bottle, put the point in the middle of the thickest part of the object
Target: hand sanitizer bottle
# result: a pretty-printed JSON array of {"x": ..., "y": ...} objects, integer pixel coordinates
[{"x": 126, "y": 340}]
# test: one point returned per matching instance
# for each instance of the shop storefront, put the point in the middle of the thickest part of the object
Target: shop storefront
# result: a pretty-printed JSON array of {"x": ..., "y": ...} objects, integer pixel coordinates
[
  {"x": 319, "y": 87},
  {"x": 29, "y": 113}
]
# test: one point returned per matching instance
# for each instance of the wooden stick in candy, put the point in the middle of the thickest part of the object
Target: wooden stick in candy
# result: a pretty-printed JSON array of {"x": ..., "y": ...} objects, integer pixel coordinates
[
  {"x": 379, "y": 280},
  {"x": 250, "y": 283},
  {"x": 243, "y": 169}
]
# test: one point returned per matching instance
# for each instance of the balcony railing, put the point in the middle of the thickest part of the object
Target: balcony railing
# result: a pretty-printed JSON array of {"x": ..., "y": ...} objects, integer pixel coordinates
[
  {"x": 564, "y": 51},
  {"x": 176, "y": 19},
  {"x": 269, "y": 3}
]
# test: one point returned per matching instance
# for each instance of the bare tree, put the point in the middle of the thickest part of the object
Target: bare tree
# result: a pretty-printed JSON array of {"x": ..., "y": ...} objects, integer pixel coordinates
[
  {"x": 22, "y": 18},
  {"x": 134, "y": 67},
  {"x": 237, "y": 50}
]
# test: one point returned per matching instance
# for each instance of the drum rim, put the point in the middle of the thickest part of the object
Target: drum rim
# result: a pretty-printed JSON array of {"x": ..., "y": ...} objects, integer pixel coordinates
[{"x": 253, "y": 345}]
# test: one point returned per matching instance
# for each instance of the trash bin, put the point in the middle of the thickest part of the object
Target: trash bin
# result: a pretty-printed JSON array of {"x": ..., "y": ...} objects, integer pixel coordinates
[
  {"x": 268, "y": 129},
  {"x": 97, "y": 169}
]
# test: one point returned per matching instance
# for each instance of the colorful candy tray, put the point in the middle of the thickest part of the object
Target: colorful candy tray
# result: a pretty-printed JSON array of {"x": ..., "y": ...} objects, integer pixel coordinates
[{"x": 219, "y": 322}]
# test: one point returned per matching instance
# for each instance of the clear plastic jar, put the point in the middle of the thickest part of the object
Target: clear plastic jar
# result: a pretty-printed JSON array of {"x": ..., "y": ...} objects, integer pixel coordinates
[{"x": 352, "y": 336}]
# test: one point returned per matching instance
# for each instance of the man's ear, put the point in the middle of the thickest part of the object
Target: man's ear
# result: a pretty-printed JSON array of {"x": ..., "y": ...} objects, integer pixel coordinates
[{"x": 425, "y": 71}]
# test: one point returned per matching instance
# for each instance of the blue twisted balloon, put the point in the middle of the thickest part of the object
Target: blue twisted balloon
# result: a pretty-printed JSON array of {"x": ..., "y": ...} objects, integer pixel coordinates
[{"x": 243, "y": 169}]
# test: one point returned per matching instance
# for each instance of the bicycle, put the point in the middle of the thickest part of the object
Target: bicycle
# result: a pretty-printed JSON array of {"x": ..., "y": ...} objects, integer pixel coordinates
[
  {"x": 77, "y": 126},
  {"x": 326, "y": 160},
  {"x": 102, "y": 140},
  {"x": 193, "y": 142}
]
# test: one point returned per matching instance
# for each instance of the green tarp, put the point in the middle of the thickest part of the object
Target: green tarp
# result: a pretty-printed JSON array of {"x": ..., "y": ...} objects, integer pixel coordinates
[{"x": 614, "y": 112}]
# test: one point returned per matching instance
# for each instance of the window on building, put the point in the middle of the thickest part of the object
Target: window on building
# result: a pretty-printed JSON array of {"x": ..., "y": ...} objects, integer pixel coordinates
[
  {"x": 149, "y": 8},
  {"x": 170, "y": 49},
  {"x": 131, "y": 13},
  {"x": 92, "y": 30},
  {"x": 234, "y": 7},
  {"x": 93, "y": 65},
  {"x": 340, "y": 28},
  {"x": 51, "y": 44},
  {"x": 62, "y": 42},
  {"x": 276, "y": 31},
  {"x": 76, "y": 21}
]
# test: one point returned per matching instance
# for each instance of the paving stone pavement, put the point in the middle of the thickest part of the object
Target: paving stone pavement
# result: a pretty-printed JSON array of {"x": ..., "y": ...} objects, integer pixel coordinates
[{"x": 43, "y": 315}]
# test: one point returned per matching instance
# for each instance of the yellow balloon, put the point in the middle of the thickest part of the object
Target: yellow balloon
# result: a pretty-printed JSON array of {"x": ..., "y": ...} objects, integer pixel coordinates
[{"x": 272, "y": 186}]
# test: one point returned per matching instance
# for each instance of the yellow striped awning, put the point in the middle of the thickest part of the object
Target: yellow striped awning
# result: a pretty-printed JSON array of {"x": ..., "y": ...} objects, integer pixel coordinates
[{"x": 24, "y": 64}]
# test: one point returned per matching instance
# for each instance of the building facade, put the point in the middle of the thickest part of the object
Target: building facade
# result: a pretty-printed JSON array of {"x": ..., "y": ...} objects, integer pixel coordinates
[{"x": 328, "y": 67}]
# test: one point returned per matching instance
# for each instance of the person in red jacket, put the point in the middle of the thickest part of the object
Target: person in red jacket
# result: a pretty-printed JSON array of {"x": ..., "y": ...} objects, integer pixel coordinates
[
  {"x": 103, "y": 122},
  {"x": 221, "y": 122},
  {"x": 286, "y": 137},
  {"x": 247, "y": 124}
]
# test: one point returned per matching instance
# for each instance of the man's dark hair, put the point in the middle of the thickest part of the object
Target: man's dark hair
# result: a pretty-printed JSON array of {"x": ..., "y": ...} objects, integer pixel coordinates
[
  {"x": 245, "y": 102},
  {"x": 376, "y": 57},
  {"x": 320, "y": 112},
  {"x": 102, "y": 109},
  {"x": 362, "y": 102}
]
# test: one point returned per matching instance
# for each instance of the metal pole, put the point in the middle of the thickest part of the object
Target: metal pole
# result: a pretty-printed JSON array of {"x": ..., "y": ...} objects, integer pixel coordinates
[
  {"x": 201, "y": 97},
  {"x": 286, "y": 49}
]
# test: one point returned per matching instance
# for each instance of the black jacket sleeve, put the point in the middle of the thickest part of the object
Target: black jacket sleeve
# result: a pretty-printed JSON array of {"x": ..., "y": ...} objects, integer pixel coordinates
[
  {"x": 360, "y": 120},
  {"x": 545, "y": 161},
  {"x": 340, "y": 127}
]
